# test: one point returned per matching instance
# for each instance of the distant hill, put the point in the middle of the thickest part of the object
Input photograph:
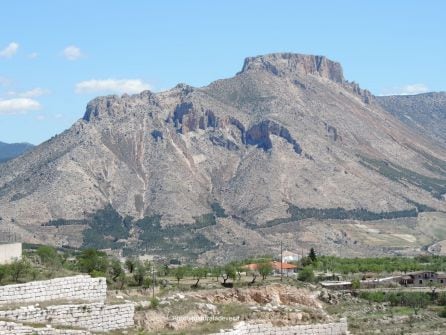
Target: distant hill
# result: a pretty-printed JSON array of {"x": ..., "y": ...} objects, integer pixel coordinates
[
  {"x": 425, "y": 112},
  {"x": 11, "y": 150}
]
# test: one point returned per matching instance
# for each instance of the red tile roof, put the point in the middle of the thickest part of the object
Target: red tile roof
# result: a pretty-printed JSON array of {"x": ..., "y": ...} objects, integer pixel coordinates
[
  {"x": 285, "y": 266},
  {"x": 275, "y": 265}
]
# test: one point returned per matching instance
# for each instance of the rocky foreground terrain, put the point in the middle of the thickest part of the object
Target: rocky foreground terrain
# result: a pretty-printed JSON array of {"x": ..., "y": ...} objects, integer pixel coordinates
[{"x": 225, "y": 170}]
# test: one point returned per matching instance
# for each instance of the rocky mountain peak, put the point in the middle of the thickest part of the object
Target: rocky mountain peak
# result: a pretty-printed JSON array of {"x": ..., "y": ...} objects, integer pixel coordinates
[
  {"x": 292, "y": 65},
  {"x": 113, "y": 105}
]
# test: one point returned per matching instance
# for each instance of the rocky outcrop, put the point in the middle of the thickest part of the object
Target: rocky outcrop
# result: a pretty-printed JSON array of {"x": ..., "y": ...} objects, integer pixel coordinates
[
  {"x": 291, "y": 65},
  {"x": 259, "y": 135}
]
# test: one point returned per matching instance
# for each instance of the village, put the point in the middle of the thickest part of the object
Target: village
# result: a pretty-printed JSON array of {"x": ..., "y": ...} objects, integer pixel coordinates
[{"x": 89, "y": 292}]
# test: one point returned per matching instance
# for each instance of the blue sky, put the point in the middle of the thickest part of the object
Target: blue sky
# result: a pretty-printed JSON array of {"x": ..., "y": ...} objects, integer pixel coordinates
[{"x": 57, "y": 55}]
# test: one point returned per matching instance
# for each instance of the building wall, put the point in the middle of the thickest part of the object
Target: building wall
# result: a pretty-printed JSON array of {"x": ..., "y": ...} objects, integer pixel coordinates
[
  {"x": 80, "y": 287},
  {"x": 10, "y": 252},
  {"x": 334, "y": 328},
  {"x": 94, "y": 317}
]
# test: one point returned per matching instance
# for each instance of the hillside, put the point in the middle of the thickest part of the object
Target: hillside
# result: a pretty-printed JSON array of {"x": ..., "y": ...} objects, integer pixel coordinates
[{"x": 226, "y": 168}]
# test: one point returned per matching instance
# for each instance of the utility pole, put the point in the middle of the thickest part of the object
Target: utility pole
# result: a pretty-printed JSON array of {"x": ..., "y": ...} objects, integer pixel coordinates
[
  {"x": 281, "y": 261},
  {"x": 153, "y": 281}
]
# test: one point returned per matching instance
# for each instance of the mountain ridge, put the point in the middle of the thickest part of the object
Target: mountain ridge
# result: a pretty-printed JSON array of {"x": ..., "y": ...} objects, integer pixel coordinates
[{"x": 286, "y": 135}]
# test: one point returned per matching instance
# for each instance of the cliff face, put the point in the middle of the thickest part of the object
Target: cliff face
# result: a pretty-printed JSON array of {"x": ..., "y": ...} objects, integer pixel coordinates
[
  {"x": 286, "y": 132},
  {"x": 295, "y": 65}
]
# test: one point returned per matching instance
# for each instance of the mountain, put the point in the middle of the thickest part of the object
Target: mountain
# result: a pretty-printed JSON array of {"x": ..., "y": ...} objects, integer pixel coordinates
[
  {"x": 425, "y": 112},
  {"x": 276, "y": 152},
  {"x": 10, "y": 151}
]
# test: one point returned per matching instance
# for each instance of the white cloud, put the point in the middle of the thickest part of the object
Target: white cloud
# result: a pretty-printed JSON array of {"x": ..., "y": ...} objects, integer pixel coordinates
[
  {"x": 72, "y": 52},
  {"x": 112, "y": 86},
  {"x": 18, "y": 106},
  {"x": 33, "y": 55},
  {"x": 33, "y": 93},
  {"x": 10, "y": 50},
  {"x": 410, "y": 89}
]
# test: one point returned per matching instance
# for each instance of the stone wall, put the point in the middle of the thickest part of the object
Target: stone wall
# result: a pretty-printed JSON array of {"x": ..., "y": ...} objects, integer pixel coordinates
[
  {"x": 9, "y": 328},
  {"x": 81, "y": 287},
  {"x": 94, "y": 317},
  {"x": 10, "y": 252},
  {"x": 334, "y": 328}
]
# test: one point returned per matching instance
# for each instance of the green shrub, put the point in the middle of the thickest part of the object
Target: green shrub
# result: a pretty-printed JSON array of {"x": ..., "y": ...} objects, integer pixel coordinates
[
  {"x": 154, "y": 303},
  {"x": 356, "y": 284},
  {"x": 442, "y": 313},
  {"x": 96, "y": 274},
  {"x": 306, "y": 274},
  {"x": 91, "y": 260}
]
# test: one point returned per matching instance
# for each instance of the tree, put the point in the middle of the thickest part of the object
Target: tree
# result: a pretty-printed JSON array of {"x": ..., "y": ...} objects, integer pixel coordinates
[
  {"x": 91, "y": 260},
  {"x": 306, "y": 274},
  {"x": 216, "y": 272},
  {"x": 254, "y": 275},
  {"x": 3, "y": 272},
  {"x": 179, "y": 273},
  {"x": 265, "y": 269},
  {"x": 230, "y": 272},
  {"x": 198, "y": 273},
  {"x": 417, "y": 301},
  {"x": 18, "y": 269},
  {"x": 139, "y": 272},
  {"x": 49, "y": 256},
  {"x": 130, "y": 264},
  {"x": 312, "y": 255},
  {"x": 116, "y": 269}
]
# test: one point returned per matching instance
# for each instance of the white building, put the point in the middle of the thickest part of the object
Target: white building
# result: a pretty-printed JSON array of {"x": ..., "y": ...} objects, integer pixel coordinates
[
  {"x": 10, "y": 252},
  {"x": 289, "y": 256}
]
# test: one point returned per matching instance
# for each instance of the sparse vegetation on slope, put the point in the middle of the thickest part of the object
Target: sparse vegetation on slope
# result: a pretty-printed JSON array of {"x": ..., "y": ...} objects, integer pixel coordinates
[
  {"x": 436, "y": 186},
  {"x": 298, "y": 214}
]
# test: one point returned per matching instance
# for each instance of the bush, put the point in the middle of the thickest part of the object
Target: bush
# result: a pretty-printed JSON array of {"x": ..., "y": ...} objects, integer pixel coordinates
[
  {"x": 442, "y": 313},
  {"x": 49, "y": 256},
  {"x": 154, "y": 303},
  {"x": 19, "y": 269},
  {"x": 306, "y": 274},
  {"x": 96, "y": 274},
  {"x": 92, "y": 260},
  {"x": 356, "y": 284}
]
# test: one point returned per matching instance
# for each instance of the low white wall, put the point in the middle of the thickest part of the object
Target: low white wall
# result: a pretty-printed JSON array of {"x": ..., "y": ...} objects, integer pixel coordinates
[
  {"x": 333, "y": 328},
  {"x": 94, "y": 317},
  {"x": 10, "y": 252},
  {"x": 80, "y": 287},
  {"x": 9, "y": 328}
]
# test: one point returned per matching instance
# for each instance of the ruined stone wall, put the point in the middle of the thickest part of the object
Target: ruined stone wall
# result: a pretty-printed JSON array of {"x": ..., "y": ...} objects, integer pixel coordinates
[
  {"x": 8, "y": 328},
  {"x": 334, "y": 328},
  {"x": 80, "y": 287},
  {"x": 94, "y": 317}
]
